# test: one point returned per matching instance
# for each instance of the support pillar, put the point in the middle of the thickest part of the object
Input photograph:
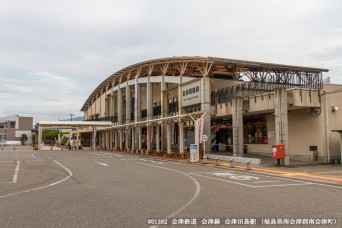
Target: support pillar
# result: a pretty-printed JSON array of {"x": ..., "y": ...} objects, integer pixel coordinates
[
  {"x": 181, "y": 138},
  {"x": 77, "y": 137},
  {"x": 133, "y": 134},
  {"x": 119, "y": 105},
  {"x": 116, "y": 139},
  {"x": 205, "y": 107},
  {"x": 127, "y": 135},
  {"x": 139, "y": 138},
  {"x": 157, "y": 138},
  {"x": 120, "y": 138},
  {"x": 94, "y": 138},
  {"x": 281, "y": 121},
  {"x": 148, "y": 143},
  {"x": 107, "y": 139},
  {"x": 110, "y": 139},
  {"x": 237, "y": 127},
  {"x": 149, "y": 96},
  {"x": 103, "y": 136},
  {"x": 128, "y": 114},
  {"x": 137, "y": 111},
  {"x": 168, "y": 134},
  {"x": 40, "y": 137},
  {"x": 164, "y": 106}
]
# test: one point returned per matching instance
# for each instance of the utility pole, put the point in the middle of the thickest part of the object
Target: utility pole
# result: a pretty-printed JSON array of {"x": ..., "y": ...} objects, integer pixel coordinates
[{"x": 71, "y": 115}]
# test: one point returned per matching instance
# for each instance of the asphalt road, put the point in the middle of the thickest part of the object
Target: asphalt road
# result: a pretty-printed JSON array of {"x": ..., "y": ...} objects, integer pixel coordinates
[{"x": 101, "y": 189}]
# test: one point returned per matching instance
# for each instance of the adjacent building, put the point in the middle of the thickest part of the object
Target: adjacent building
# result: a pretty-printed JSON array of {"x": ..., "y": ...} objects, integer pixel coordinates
[
  {"x": 167, "y": 104},
  {"x": 12, "y": 127}
]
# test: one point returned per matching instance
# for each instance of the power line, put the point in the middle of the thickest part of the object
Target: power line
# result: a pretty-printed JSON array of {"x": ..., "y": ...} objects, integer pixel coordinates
[{"x": 34, "y": 113}]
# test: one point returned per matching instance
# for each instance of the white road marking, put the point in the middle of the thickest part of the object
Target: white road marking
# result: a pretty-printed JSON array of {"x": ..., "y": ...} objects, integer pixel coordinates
[
  {"x": 256, "y": 182},
  {"x": 48, "y": 156},
  {"x": 16, "y": 173},
  {"x": 124, "y": 159},
  {"x": 197, "y": 192},
  {"x": 46, "y": 186},
  {"x": 102, "y": 155},
  {"x": 104, "y": 164},
  {"x": 283, "y": 185},
  {"x": 256, "y": 174},
  {"x": 235, "y": 177},
  {"x": 33, "y": 156},
  {"x": 252, "y": 186}
]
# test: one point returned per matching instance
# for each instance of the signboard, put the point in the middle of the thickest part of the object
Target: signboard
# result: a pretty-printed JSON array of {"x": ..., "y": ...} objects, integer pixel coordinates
[
  {"x": 136, "y": 97},
  {"x": 191, "y": 94},
  {"x": 194, "y": 155},
  {"x": 204, "y": 138},
  {"x": 41, "y": 144},
  {"x": 200, "y": 130}
]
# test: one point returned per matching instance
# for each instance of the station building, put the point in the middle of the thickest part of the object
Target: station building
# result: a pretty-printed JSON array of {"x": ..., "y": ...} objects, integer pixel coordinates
[{"x": 164, "y": 105}]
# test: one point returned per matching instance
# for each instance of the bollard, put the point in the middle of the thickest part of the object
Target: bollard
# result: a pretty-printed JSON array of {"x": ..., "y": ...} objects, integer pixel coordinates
[
  {"x": 13, "y": 148},
  {"x": 137, "y": 151},
  {"x": 232, "y": 163},
  {"x": 217, "y": 161},
  {"x": 205, "y": 159},
  {"x": 61, "y": 148},
  {"x": 248, "y": 165},
  {"x": 51, "y": 148}
]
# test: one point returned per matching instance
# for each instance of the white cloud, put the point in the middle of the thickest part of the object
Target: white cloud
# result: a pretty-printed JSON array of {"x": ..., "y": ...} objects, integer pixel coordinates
[{"x": 56, "y": 52}]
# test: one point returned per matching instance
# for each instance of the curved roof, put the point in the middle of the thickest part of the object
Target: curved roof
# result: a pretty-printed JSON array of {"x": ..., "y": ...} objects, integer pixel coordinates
[{"x": 192, "y": 66}]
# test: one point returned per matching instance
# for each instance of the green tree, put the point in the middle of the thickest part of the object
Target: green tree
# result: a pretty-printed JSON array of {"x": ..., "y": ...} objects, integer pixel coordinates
[{"x": 23, "y": 139}]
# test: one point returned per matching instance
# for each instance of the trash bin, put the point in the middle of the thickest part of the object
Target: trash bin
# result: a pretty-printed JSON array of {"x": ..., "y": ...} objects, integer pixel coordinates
[{"x": 245, "y": 150}]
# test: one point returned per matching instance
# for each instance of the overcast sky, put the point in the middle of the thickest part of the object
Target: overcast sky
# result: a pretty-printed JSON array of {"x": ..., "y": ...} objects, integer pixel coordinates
[{"x": 54, "y": 53}]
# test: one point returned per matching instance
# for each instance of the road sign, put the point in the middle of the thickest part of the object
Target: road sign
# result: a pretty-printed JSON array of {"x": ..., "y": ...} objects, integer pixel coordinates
[
  {"x": 204, "y": 138},
  {"x": 194, "y": 155}
]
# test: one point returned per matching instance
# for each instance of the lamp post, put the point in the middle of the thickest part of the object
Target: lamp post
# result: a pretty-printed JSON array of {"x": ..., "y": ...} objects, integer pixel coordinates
[{"x": 71, "y": 116}]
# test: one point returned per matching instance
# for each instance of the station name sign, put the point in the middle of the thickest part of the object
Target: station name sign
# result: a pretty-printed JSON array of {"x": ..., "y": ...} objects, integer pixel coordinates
[{"x": 191, "y": 94}]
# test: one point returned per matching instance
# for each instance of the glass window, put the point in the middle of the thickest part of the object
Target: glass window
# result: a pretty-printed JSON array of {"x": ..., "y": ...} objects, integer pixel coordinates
[{"x": 255, "y": 129}]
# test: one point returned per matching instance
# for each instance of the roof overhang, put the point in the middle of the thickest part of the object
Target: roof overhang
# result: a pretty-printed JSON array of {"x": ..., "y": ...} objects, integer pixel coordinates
[
  {"x": 129, "y": 72},
  {"x": 74, "y": 124}
]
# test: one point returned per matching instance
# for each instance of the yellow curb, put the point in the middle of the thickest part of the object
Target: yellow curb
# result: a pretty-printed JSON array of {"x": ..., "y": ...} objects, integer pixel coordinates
[
  {"x": 329, "y": 172},
  {"x": 318, "y": 177}
]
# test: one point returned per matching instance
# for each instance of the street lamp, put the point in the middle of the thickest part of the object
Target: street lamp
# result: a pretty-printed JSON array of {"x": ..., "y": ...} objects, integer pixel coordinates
[{"x": 71, "y": 116}]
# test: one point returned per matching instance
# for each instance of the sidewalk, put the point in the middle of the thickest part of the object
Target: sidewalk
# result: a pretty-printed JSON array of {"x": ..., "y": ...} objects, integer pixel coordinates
[
  {"x": 331, "y": 174},
  {"x": 322, "y": 173}
]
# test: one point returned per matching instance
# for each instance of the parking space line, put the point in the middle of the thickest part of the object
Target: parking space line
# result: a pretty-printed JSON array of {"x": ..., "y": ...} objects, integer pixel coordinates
[
  {"x": 45, "y": 186},
  {"x": 33, "y": 156},
  {"x": 16, "y": 173},
  {"x": 256, "y": 182}
]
